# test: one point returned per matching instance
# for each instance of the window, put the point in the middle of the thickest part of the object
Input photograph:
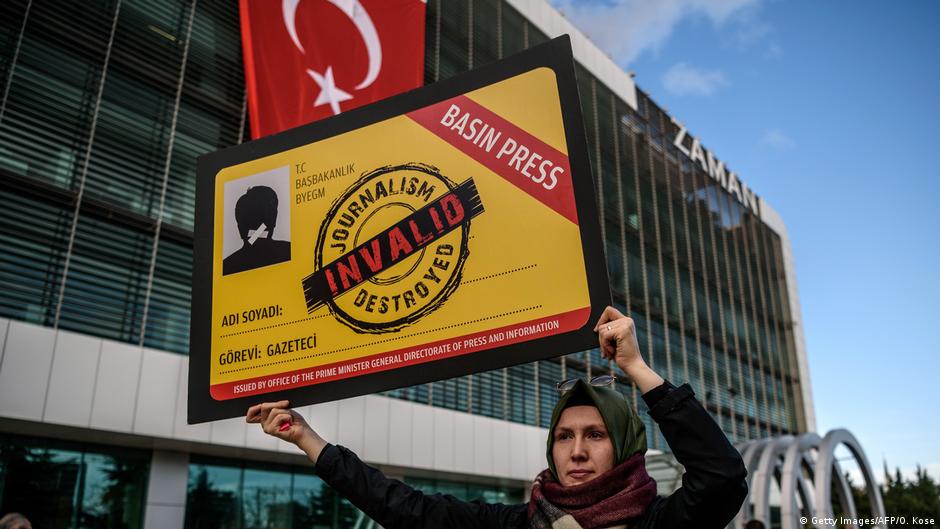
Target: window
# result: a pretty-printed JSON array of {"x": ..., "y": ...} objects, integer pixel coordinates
[
  {"x": 469, "y": 491},
  {"x": 224, "y": 494},
  {"x": 107, "y": 281},
  {"x": 169, "y": 309},
  {"x": 34, "y": 234},
  {"x": 61, "y": 485}
]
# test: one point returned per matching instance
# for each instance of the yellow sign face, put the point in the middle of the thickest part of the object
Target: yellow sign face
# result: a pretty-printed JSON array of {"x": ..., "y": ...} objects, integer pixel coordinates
[{"x": 447, "y": 230}]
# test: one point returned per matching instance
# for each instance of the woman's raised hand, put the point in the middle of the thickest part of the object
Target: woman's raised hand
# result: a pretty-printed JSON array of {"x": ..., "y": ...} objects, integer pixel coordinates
[
  {"x": 616, "y": 336},
  {"x": 278, "y": 420}
]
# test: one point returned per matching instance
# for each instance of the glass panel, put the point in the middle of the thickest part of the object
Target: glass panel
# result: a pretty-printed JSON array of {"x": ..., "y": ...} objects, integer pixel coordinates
[
  {"x": 314, "y": 504},
  {"x": 513, "y": 30},
  {"x": 168, "y": 313},
  {"x": 347, "y": 515},
  {"x": 266, "y": 499},
  {"x": 637, "y": 283},
  {"x": 112, "y": 492},
  {"x": 47, "y": 120},
  {"x": 224, "y": 494},
  {"x": 676, "y": 360},
  {"x": 431, "y": 30},
  {"x": 58, "y": 484},
  {"x": 468, "y": 491},
  {"x": 535, "y": 35},
  {"x": 694, "y": 376},
  {"x": 211, "y": 103},
  {"x": 41, "y": 483},
  {"x": 522, "y": 393},
  {"x": 128, "y": 159},
  {"x": 549, "y": 375},
  {"x": 600, "y": 366},
  {"x": 485, "y": 38},
  {"x": 34, "y": 236},
  {"x": 614, "y": 258},
  {"x": 488, "y": 394},
  {"x": 12, "y": 15},
  {"x": 455, "y": 39},
  {"x": 411, "y": 393},
  {"x": 212, "y": 497},
  {"x": 107, "y": 281},
  {"x": 451, "y": 394}
]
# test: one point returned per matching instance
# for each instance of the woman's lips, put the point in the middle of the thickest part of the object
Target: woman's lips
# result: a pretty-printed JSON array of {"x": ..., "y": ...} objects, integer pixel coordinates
[{"x": 579, "y": 473}]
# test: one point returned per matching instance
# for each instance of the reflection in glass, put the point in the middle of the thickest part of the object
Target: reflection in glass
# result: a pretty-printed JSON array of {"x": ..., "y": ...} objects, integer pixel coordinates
[
  {"x": 468, "y": 491},
  {"x": 266, "y": 499},
  {"x": 229, "y": 495},
  {"x": 212, "y": 497},
  {"x": 313, "y": 502},
  {"x": 72, "y": 485}
]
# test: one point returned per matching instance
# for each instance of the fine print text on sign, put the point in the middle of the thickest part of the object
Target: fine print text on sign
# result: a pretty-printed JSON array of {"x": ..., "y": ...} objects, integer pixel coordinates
[{"x": 449, "y": 230}]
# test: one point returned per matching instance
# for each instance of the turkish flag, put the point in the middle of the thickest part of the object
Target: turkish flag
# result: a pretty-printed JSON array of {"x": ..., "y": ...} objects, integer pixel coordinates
[{"x": 310, "y": 59}]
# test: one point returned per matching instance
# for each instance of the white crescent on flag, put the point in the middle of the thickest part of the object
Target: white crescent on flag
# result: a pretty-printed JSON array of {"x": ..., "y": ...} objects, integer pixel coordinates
[
  {"x": 289, "y": 10},
  {"x": 309, "y": 60},
  {"x": 359, "y": 17}
]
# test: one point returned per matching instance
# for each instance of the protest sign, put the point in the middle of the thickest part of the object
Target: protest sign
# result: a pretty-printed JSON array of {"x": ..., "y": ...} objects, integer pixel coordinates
[{"x": 448, "y": 230}]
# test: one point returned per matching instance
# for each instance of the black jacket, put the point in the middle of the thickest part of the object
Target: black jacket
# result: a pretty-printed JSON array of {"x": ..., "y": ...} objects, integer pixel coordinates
[{"x": 713, "y": 486}]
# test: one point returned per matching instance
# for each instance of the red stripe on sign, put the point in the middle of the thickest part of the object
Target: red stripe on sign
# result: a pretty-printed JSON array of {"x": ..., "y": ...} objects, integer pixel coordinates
[
  {"x": 429, "y": 352},
  {"x": 527, "y": 162}
]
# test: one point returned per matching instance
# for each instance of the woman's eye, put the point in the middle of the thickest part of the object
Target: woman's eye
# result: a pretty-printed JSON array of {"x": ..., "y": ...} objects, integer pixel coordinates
[{"x": 596, "y": 435}]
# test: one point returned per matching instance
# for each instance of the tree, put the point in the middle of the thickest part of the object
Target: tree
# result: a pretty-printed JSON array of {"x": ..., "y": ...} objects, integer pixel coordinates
[
  {"x": 208, "y": 507},
  {"x": 918, "y": 497}
]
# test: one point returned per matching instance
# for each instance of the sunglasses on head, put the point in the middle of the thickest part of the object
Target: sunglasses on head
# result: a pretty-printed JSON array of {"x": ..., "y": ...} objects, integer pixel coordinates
[{"x": 599, "y": 381}]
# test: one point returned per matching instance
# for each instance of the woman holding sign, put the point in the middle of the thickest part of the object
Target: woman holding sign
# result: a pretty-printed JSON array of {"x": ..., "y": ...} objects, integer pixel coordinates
[{"x": 596, "y": 475}]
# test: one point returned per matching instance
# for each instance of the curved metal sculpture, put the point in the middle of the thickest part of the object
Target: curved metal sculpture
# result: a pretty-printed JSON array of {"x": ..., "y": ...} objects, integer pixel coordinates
[{"x": 803, "y": 468}]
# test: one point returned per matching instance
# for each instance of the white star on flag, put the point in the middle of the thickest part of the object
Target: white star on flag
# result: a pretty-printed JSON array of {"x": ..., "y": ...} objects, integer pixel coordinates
[{"x": 329, "y": 93}]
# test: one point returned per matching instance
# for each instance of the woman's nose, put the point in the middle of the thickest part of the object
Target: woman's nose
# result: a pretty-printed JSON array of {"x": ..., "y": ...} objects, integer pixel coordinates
[{"x": 579, "y": 450}]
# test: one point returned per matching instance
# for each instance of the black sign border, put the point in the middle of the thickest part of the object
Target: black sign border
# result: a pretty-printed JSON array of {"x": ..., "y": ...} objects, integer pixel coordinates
[{"x": 555, "y": 55}]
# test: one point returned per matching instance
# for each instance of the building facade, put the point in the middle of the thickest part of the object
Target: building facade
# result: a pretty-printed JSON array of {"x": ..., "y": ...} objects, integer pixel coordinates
[{"x": 105, "y": 106}]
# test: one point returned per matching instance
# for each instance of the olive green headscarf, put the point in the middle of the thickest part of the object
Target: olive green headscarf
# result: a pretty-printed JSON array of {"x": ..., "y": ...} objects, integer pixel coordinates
[{"x": 625, "y": 428}]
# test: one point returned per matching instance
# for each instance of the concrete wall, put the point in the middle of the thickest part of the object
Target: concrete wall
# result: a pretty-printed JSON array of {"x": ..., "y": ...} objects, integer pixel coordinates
[{"x": 68, "y": 379}]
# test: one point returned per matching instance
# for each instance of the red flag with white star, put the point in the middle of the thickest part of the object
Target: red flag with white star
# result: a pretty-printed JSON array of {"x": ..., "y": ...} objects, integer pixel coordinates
[{"x": 310, "y": 59}]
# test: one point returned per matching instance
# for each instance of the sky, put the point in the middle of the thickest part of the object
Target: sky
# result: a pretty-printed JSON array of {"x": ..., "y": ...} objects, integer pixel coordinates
[{"x": 830, "y": 111}]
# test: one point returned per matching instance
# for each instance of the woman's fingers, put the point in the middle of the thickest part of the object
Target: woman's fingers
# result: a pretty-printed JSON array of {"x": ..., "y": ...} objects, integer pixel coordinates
[
  {"x": 613, "y": 313},
  {"x": 602, "y": 320},
  {"x": 606, "y": 329},
  {"x": 607, "y": 339},
  {"x": 612, "y": 334},
  {"x": 610, "y": 314},
  {"x": 259, "y": 412},
  {"x": 276, "y": 421}
]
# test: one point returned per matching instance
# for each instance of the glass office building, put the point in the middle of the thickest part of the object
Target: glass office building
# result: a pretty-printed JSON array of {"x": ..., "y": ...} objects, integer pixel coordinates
[{"x": 105, "y": 106}]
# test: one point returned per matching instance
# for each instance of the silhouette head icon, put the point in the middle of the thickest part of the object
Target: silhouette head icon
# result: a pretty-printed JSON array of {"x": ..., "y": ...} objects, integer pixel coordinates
[{"x": 257, "y": 206}]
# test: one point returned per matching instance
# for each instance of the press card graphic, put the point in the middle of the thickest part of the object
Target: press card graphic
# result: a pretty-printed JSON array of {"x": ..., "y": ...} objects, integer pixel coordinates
[
  {"x": 428, "y": 237},
  {"x": 398, "y": 238}
]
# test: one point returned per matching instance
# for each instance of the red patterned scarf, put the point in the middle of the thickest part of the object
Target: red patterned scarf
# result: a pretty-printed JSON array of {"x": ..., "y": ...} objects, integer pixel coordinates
[{"x": 615, "y": 497}]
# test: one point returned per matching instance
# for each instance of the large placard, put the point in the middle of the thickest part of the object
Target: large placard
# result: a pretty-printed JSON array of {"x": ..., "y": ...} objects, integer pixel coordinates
[{"x": 445, "y": 231}]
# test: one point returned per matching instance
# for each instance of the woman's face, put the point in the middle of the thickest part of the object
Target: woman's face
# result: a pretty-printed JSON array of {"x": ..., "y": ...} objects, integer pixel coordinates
[{"x": 581, "y": 449}]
